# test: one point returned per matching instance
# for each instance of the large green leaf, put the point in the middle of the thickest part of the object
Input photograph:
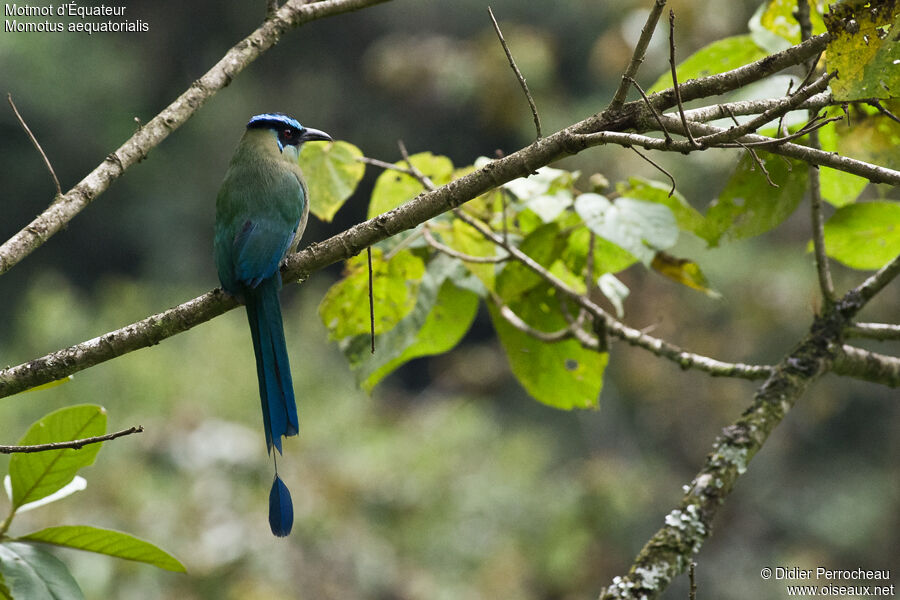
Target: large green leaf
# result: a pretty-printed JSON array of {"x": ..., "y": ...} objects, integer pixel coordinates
[
  {"x": 864, "y": 50},
  {"x": 561, "y": 374},
  {"x": 637, "y": 226},
  {"x": 106, "y": 541},
  {"x": 544, "y": 245},
  {"x": 393, "y": 188},
  {"x": 608, "y": 257},
  {"x": 720, "y": 56},
  {"x": 395, "y": 283},
  {"x": 748, "y": 205},
  {"x": 38, "y": 474},
  {"x": 687, "y": 217},
  {"x": 332, "y": 172},
  {"x": 441, "y": 317},
  {"x": 864, "y": 235},
  {"x": 30, "y": 573}
]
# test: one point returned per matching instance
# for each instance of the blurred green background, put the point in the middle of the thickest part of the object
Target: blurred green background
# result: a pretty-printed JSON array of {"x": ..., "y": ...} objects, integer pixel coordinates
[{"x": 449, "y": 482}]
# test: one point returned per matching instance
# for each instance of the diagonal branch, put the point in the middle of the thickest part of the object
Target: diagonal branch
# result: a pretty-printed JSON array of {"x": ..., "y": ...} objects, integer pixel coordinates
[
  {"x": 616, "y": 328},
  {"x": 36, "y": 144},
  {"x": 637, "y": 58},
  {"x": 65, "y": 207},
  {"x": 519, "y": 76},
  {"x": 427, "y": 205},
  {"x": 71, "y": 444},
  {"x": 869, "y": 366}
]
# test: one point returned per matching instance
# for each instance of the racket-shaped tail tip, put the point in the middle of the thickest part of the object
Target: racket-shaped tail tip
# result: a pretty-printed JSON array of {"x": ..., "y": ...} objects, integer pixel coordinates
[{"x": 281, "y": 509}]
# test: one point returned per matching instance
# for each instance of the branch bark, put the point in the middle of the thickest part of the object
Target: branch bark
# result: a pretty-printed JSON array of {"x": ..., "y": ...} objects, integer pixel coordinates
[
  {"x": 427, "y": 205},
  {"x": 668, "y": 553},
  {"x": 65, "y": 207}
]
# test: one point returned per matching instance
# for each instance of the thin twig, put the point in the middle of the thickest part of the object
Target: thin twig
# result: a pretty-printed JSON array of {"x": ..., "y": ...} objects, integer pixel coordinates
[
  {"x": 817, "y": 123},
  {"x": 687, "y": 129},
  {"x": 73, "y": 444},
  {"x": 734, "y": 120},
  {"x": 429, "y": 237},
  {"x": 882, "y": 110},
  {"x": 426, "y": 181},
  {"x": 874, "y": 331},
  {"x": 36, "y": 144},
  {"x": 759, "y": 163},
  {"x": 519, "y": 76},
  {"x": 652, "y": 109},
  {"x": 516, "y": 321},
  {"x": 659, "y": 167},
  {"x": 692, "y": 592},
  {"x": 865, "y": 291},
  {"x": 637, "y": 57},
  {"x": 760, "y": 120},
  {"x": 743, "y": 108},
  {"x": 817, "y": 218},
  {"x": 657, "y": 346},
  {"x": 371, "y": 300}
]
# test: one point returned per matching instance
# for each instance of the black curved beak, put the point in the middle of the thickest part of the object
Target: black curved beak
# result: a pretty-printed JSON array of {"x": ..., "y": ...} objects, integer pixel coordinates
[{"x": 310, "y": 135}]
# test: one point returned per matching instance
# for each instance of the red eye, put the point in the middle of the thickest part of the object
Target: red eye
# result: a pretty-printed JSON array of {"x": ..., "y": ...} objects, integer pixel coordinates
[{"x": 287, "y": 133}]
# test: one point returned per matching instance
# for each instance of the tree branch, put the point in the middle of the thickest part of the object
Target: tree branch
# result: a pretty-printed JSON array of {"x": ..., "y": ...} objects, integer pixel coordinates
[
  {"x": 637, "y": 58},
  {"x": 72, "y": 444},
  {"x": 669, "y": 551},
  {"x": 65, "y": 207},
  {"x": 869, "y": 366},
  {"x": 427, "y": 205},
  {"x": 873, "y": 173},
  {"x": 873, "y": 331},
  {"x": 519, "y": 76},
  {"x": 36, "y": 144},
  {"x": 614, "y": 327}
]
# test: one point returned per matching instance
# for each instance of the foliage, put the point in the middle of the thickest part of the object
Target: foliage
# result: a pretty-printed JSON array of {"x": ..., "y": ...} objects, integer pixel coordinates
[
  {"x": 38, "y": 478},
  {"x": 428, "y": 286}
]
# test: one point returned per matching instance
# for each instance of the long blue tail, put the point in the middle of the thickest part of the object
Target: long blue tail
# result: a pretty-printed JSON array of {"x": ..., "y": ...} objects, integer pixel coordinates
[{"x": 276, "y": 390}]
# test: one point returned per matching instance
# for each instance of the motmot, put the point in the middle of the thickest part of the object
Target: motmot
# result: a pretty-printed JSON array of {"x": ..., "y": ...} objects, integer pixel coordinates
[{"x": 261, "y": 212}]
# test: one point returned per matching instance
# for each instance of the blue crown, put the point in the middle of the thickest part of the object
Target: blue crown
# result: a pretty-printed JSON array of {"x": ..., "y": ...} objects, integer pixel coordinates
[{"x": 273, "y": 120}]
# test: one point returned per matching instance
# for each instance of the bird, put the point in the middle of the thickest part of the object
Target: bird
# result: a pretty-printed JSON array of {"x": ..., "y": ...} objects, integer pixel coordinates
[{"x": 261, "y": 211}]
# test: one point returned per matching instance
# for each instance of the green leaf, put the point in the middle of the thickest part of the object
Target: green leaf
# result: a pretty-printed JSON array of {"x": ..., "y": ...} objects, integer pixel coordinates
[
  {"x": 864, "y": 235},
  {"x": 871, "y": 136},
  {"x": 393, "y": 188},
  {"x": 547, "y": 193},
  {"x": 637, "y": 226},
  {"x": 544, "y": 245},
  {"x": 561, "y": 374},
  {"x": 395, "y": 283},
  {"x": 608, "y": 257},
  {"x": 863, "y": 50},
  {"x": 38, "y": 474},
  {"x": 332, "y": 173},
  {"x": 466, "y": 239},
  {"x": 442, "y": 316},
  {"x": 687, "y": 217},
  {"x": 106, "y": 541},
  {"x": 720, "y": 56},
  {"x": 748, "y": 205},
  {"x": 34, "y": 574},
  {"x": 837, "y": 187},
  {"x": 778, "y": 17}
]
